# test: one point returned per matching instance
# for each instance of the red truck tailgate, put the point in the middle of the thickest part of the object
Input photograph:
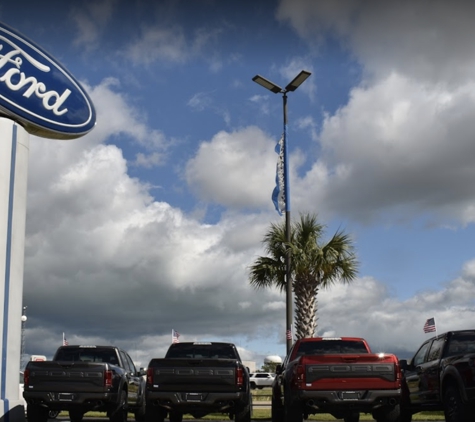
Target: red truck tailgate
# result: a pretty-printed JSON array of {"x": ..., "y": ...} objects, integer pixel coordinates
[{"x": 350, "y": 371}]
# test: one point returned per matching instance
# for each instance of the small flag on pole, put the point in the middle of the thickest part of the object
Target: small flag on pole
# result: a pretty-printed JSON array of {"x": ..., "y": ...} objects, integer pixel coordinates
[
  {"x": 429, "y": 326},
  {"x": 175, "y": 336},
  {"x": 278, "y": 195},
  {"x": 65, "y": 342},
  {"x": 289, "y": 334}
]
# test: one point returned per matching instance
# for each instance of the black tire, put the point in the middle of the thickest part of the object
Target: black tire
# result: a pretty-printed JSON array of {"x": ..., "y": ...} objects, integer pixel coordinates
[
  {"x": 277, "y": 411},
  {"x": 76, "y": 415},
  {"x": 243, "y": 414},
  {"x": 175, "y": 416},
  {"x": 293, "y": 413},
  {"x": 388, "y": 414},
  {"x": 455, "y": 409},
  {"x": 120, "y": 413},
  {"x": 36, "y": 413},
  {"x": 139, "y": 414},
  {"x": 154, "y": 414},
  {"x": 352, "y": 417},
  {"x": 53, "y": 414},
  {"x": 253, "y": 385}
]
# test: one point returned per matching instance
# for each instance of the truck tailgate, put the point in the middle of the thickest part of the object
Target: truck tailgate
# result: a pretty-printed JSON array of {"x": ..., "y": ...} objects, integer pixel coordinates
[
  {"x": 195, "y": 374},
  {"x": 350, "y": 371},
  {"x": 66, "y": 377}
]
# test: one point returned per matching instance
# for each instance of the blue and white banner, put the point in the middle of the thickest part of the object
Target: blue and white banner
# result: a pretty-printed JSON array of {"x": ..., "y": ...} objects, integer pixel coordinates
[{"x": 278, "y": 195}]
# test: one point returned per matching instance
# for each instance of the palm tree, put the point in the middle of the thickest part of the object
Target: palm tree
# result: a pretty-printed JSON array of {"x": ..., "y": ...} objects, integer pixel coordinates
[{"x": 313, "y": 266}]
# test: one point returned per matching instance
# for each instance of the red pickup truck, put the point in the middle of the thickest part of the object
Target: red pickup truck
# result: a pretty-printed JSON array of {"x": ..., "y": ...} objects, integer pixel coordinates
[{"x": 340, "y": 376}]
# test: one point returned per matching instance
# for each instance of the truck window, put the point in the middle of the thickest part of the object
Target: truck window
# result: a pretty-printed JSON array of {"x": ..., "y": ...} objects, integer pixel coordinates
[
  {"x": 198, "y": 351},
  {"x": 435, "y": 351},
  {"x": 131, "y": 363},
  {"x": 85, "y": 355},
  {"x": 125, "y": 362},
  {"x": 420, "y": 356},
  {"x": 337, "y": 347},
  {"x": 461, "y": 343}
]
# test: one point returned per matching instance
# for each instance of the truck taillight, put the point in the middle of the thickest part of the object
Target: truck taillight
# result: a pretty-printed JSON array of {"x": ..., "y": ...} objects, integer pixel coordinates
[
  {"x": 397, "y": 369},
  {"x": 239, "y": 377},
  {"x": 26, "y": 378},
  {"x": 299, "y": 376},
  {"x": 150, "y": 376},
  {"x": 108, "y": 379}
]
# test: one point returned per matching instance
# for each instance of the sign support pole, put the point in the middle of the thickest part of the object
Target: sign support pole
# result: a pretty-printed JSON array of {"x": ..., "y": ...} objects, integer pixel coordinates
[{"x": 14, "y": 151}]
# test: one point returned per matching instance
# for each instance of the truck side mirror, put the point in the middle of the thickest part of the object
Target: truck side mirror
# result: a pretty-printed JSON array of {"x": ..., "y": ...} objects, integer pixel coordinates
[{"x": 278, "y": 369}]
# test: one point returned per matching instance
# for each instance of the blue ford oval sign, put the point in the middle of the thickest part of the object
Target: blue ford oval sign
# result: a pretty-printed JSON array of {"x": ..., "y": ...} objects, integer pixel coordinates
[{"x": 40, "y": 94}]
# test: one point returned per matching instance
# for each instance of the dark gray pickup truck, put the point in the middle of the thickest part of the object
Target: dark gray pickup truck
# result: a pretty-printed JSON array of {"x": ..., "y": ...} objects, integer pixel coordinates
[
  {"x": 441, "y": 376},
  {"x": 198, "y": 379},
  {"x": 84, "y": 378}
]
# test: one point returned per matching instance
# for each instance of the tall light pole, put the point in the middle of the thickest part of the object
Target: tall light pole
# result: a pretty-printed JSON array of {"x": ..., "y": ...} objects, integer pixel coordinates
[
  {"x": 276, "y": 89},
  {"x": 22, "y": 348}
]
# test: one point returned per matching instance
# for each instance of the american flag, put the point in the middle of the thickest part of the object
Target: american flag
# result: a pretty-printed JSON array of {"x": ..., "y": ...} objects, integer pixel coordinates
[
  {"x": 429, "y": 326},
  {"x": 175, "y": 336},
  {"x": 289, "y": 334},
  {"x": 65, "y": 342}
]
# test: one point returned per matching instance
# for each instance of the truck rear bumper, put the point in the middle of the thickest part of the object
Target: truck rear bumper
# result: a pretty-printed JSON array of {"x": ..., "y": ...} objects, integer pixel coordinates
[
  {"x": 65, "y": 401},
  {"x": 366, "y": 400},
  {"x": 188, "y": 402}
]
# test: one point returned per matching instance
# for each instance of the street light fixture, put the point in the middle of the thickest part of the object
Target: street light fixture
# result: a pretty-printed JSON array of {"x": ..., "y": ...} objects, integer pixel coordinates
[{"x": 276, "y": 89}]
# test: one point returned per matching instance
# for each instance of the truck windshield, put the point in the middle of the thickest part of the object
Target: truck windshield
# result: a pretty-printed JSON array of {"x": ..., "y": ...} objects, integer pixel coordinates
[
  {"x": 202, "y": 351},
  {"x": 87, "y": 355},
  {"x": 329, "y": 347},
  {"x": 462, "y": 343}
]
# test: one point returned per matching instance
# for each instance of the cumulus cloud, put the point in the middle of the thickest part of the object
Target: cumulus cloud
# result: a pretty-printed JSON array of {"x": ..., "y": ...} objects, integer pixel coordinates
[
  {"x": 402, "y": 143},
  {"x": 232, "y": 169}
]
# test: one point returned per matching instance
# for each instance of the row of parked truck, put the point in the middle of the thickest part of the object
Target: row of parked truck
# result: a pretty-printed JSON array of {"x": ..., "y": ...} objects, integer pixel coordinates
[{"x": 340, "y": 376}]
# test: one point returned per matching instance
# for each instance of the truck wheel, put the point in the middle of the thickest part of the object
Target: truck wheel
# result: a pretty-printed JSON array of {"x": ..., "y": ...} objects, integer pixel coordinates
[
  {"x": 36, "y": 413},
  {"x": 352, "y": 417},
  {"x": 53, "y": 414},
  {"x": 140, "y": 413},
  {"x": 120, "y": 413},
  {"x": 243, "y": 414},
  {"x": 277, "y": 411},
  {"x": 76, "y": 415},
  {"x": 389, "y": 414},
  {"x": 175, "y": 416},
  {"x": 293, "y": 413},
  {"x": 454, "y": 408},
  {"x": 154, "y": 414}
]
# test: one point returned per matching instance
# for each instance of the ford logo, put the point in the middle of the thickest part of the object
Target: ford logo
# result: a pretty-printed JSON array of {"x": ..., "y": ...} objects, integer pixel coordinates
[{"x": 40, "y": 94}]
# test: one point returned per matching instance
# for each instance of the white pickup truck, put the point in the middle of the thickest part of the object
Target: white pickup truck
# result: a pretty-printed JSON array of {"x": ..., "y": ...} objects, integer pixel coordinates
[{"x": 261, "y": 379}]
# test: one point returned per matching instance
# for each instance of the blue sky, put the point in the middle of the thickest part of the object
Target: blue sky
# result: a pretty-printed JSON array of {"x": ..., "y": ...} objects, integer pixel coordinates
[{"x": 150, "y": 221}]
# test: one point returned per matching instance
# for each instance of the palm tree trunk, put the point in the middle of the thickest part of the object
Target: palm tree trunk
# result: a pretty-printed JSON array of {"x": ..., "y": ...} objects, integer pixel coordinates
[{"x": 305, "y": 309}]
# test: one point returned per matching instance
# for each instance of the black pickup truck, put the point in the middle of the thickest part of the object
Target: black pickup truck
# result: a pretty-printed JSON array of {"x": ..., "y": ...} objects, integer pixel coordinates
[
  {"x": 84, "y": 378},
  {"x": 198, "y": 379},
  {"x": 441, "y": 376}
]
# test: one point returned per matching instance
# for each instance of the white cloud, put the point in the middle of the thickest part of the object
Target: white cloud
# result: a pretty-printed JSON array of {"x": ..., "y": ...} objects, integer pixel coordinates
[
  {"x": 397, "y": 145},
  {"x": 233, "y": 169},
  {"x": 158, "y": 43}
]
